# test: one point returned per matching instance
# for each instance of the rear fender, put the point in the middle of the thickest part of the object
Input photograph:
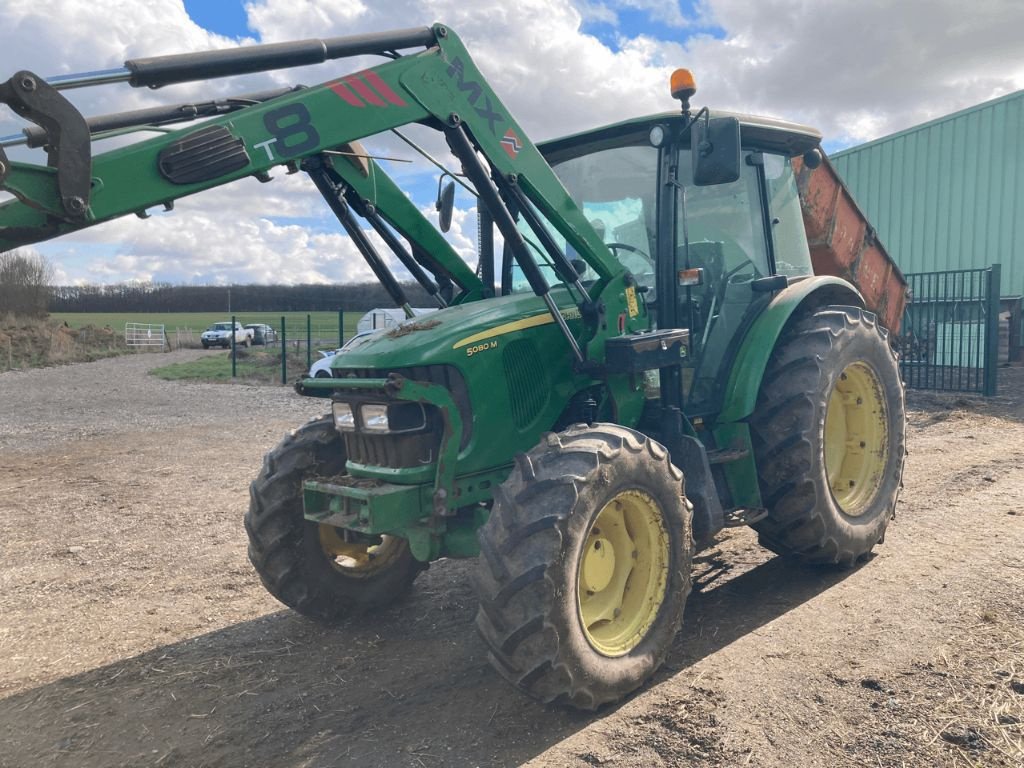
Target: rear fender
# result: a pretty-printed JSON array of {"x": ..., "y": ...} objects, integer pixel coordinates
[
  {"x": 731, "y": 430},
  {"x": 752, "y": 359}
]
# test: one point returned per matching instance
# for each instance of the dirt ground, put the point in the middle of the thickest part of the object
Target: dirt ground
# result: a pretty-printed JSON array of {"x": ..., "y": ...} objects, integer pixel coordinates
[{"x": 133, "y": 631}]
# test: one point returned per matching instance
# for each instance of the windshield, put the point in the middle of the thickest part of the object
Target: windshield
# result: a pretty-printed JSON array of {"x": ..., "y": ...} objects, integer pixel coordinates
[
  {"x": 221, "y": 327},
  {"x": 616, "y": 190}
]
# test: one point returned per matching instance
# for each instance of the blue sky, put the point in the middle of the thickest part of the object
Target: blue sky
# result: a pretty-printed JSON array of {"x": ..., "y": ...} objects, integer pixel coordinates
[
  {"x": 630, "y": 23},
  {"x": 225, "y": 17}
]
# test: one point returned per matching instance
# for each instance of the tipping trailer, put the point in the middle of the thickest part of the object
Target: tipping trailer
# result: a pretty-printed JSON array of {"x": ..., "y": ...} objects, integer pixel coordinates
[{"x": 654, "y": 354}]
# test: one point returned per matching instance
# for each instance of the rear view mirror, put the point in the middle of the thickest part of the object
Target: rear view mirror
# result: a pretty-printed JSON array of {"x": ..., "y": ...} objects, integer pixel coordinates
[
  {"x": 715, "y": 150},
  {"x": 445, "y": 204}
]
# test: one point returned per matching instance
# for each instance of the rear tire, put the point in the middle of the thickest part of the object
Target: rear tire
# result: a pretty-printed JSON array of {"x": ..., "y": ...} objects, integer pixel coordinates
[
  {"x": 307, "y": 566},
  {"x": 828, "y": 433},
  {"x": 585, "y": 566}
]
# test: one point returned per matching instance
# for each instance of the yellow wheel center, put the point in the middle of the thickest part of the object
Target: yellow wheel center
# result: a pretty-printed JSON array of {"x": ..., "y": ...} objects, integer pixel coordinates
[
  {"x": 856, "y": 438},
  {"x": 598, "y": 564},
  {"x": 354, "y": 556},
  {"x": 623, "y": 573}
]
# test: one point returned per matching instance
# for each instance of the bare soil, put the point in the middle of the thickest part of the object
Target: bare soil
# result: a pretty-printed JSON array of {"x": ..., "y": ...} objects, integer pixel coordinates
[
  {"x": 30, "y": 342},
  {"x": 133, "y": 631}
]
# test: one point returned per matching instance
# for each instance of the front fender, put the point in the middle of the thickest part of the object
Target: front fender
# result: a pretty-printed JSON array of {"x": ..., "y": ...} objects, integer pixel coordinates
[{"x": 757, "y": 347}]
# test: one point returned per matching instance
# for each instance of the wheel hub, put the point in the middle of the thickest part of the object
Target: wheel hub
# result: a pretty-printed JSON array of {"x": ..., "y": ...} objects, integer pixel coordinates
[
  {"x": 623, "y": 573},
  {"x": 856, "y": 438}
]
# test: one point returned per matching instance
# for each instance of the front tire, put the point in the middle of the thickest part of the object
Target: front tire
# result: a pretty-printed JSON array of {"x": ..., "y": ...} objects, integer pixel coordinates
[
  {"x": 311, "y": 567},
  {"x": 585, "y": 566},
  {"x": 829, "y": 432}
]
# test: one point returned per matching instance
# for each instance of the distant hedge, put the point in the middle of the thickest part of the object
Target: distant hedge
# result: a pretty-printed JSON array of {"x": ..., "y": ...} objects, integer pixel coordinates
[{"x": 159, "y": 297}]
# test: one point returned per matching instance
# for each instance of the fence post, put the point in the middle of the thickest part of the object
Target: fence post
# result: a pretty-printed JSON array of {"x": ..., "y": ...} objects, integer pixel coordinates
[
  {"x": 992, "y": 329},
  {"x": 309, "y": 341},
  {"x": 233, "y": 341},
  {"x": 284, "y": 353},
  {"x": 341, "y": 328}
]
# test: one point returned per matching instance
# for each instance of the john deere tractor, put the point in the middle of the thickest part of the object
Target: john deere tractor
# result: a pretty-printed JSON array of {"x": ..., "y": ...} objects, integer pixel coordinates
[{"x": 647, "y": 359}]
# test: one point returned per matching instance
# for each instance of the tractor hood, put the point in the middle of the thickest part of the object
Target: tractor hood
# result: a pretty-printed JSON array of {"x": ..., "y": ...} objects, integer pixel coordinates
[
  {"x": 503, "y": 361},
  {"x": 459, "y": 335}
]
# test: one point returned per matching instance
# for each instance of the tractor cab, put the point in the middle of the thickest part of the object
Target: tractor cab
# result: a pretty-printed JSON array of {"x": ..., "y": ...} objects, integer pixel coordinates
[{"x": 703, "y": 256}]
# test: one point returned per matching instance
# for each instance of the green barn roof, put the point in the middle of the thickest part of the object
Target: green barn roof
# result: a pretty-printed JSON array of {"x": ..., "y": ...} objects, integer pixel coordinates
[{"x": 948, "y": 194}]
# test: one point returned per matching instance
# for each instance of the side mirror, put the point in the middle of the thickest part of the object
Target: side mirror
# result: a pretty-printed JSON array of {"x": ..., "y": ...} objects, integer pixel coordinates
[
  {"x": 715, "y": 151},
  {"x": 445, "y": 204},
  {"x": 812, "y": 159}
]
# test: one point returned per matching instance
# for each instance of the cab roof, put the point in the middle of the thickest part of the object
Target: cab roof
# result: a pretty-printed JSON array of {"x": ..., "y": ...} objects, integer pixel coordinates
[{"x": 756, "y": 132}]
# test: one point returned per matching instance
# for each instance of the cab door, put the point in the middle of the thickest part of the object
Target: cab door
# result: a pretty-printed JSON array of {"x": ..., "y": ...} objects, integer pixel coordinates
[{"x": 723, "y": 239}]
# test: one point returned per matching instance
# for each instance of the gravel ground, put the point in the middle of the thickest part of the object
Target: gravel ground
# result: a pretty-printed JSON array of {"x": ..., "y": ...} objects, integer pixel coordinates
[
  {"x": 134, "y": 632},
  {"x": 117, "y": 395}
]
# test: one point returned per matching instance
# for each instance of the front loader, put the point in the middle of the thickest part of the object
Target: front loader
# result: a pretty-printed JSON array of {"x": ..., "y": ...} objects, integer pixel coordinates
[{"x": 648, "y": 358}]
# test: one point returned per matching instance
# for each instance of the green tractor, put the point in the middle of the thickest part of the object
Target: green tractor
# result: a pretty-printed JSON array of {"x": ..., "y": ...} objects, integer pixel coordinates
[{"x": 648, "y": 358}]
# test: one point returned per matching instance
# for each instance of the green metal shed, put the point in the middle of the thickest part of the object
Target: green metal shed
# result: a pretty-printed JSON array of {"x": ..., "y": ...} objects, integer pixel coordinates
[{"x": 948, "y": 194}]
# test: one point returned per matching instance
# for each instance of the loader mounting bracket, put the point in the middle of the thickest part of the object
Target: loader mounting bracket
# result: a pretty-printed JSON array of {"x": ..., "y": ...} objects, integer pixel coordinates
[{"x": 68, "y": 147}]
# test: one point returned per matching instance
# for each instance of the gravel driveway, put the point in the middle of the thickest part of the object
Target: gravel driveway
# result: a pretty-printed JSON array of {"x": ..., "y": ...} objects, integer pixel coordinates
[{"x": 117, "y": 395}]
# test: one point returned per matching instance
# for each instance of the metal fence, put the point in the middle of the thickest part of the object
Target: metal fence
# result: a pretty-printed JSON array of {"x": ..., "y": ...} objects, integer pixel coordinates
[
  {"x": 950, "y": 335},
  {"x": 296, "y": 340}
]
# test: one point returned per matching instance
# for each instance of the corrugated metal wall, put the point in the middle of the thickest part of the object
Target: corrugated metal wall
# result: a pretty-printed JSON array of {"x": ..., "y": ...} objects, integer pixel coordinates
[{"x": 948, "y": 194}]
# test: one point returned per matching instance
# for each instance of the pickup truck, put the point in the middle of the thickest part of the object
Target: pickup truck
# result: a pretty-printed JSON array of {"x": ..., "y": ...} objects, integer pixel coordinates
[{"x": 219, "y": 335}]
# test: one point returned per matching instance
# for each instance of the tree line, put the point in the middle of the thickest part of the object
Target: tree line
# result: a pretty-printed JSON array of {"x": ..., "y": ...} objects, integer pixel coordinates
[{"x": 165, "y": 297}]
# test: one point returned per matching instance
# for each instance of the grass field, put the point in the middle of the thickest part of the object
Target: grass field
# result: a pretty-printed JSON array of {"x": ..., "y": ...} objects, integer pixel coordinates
[
  {"x": 251, "y": 366},
  {"x": 324, "y": 324}
]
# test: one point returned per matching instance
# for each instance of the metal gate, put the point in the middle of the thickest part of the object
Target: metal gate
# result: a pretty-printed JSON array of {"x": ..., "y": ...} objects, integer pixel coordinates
[
  {"x": 144, "y": 335},
  {"x": 950, "y": 335}
]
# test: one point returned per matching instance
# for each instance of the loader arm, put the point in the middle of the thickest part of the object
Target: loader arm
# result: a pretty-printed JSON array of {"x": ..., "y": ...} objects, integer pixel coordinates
[{"x": 439, "y": 87}]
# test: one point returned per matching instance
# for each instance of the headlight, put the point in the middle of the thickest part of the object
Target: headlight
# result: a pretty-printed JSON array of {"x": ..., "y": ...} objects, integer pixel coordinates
[
  {"x": 344, "y": 418},
  {"x": 375, "y": 417}
]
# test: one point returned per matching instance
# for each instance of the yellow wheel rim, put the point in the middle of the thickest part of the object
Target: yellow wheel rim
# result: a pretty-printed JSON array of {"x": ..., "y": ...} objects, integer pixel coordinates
[
  {"x": 349, "y": 556},
  {"x": 623, "y": 573},
  {"x": 856, "y": 438}
]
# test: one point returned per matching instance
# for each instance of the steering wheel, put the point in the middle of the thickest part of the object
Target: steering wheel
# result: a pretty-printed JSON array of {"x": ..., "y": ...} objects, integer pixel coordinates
[
  {"x": 727, "y": 278},
  {"x": 631, "y": 249}
]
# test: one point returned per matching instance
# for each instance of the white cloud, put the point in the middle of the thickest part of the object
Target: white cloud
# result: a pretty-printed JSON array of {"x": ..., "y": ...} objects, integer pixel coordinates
[{"x": 856, "y": 70}]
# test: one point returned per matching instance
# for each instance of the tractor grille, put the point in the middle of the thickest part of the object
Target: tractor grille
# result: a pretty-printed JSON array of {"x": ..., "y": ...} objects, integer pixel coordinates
[
  {"x": 417, "y": 449},
  {"x": 528, "y": 388}
]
